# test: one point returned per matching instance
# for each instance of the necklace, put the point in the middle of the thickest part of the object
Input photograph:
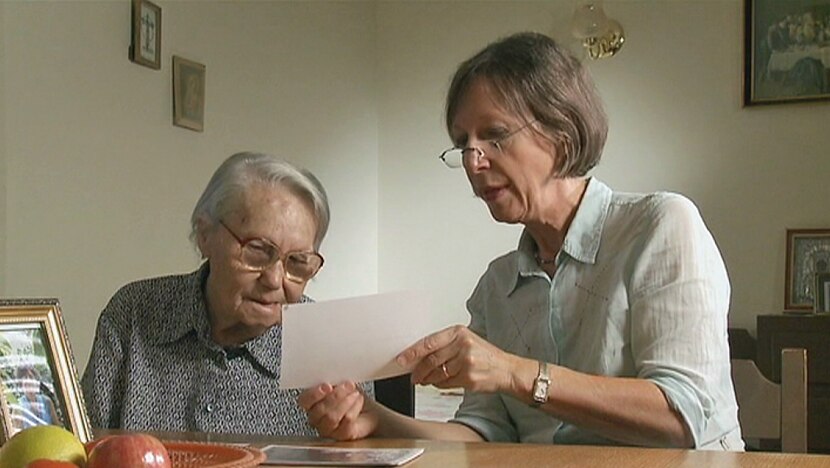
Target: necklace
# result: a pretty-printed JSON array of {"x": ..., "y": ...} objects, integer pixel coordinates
[{"x": 544, "y": 261}]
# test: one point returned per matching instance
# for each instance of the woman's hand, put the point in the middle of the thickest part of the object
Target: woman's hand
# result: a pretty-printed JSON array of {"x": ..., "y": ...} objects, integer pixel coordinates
[
  {"x": 457, "y": 357},
  {"x": 341, "y": 412}
]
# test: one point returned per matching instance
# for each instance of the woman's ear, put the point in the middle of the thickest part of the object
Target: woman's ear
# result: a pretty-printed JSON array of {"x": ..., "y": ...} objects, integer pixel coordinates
[{"x": 203, "y": 233}]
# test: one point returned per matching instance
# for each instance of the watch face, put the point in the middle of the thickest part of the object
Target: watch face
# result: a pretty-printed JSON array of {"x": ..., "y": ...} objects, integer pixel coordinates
[{"x": 540, "y": 391}]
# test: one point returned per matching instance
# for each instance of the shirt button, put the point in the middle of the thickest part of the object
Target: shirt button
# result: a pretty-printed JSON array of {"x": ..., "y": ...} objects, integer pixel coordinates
[{"x": 209, "y": 408}]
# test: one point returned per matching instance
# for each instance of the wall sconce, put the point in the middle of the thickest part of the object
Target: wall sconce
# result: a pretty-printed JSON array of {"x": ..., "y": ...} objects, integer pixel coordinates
[{"x": 600, "y": 35}]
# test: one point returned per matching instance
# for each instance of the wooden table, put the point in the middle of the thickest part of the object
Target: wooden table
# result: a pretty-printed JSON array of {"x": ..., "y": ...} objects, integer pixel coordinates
[{"x": 475, "y": 455}]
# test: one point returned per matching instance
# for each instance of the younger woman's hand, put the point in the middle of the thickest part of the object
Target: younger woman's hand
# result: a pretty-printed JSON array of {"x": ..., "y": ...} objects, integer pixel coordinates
[{"x": 457, "y": 357}]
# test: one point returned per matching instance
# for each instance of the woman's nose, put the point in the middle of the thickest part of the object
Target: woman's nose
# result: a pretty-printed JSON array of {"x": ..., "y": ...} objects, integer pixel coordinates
[
  {"x": 273, "y": 275},
  {"x": 475, "y": 160}
]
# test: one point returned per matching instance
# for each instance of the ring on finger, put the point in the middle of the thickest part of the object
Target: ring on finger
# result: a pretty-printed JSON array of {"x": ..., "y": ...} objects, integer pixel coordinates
[{"x": 444, "y": 369}]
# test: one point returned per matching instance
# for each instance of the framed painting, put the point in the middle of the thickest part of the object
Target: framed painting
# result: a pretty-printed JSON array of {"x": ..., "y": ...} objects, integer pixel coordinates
[
  {"x": 786, "y": 51},
  {"x": 146, "y": 35},
  {"x": 38, "y": 380},
  {"x": 808, "y": 254},
  {"x": 188, "y": 94}
]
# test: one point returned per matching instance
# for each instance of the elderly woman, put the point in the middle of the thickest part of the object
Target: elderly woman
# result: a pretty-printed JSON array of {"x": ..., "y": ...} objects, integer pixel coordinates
[
  {"x": 607, "y": 325},
  {"x": 201, "y": 351}
]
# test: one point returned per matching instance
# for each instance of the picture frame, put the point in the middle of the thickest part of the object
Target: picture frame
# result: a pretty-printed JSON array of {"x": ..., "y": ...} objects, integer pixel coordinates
[
  {"x": 822, "y": 293},
  {"x": 38, "y": 381},
  {"x": 188, "y": 94},
  {"x": 786, "y": 51},
  {"x": 808, "y": 254},
  {"x": 145, "y": 48}
]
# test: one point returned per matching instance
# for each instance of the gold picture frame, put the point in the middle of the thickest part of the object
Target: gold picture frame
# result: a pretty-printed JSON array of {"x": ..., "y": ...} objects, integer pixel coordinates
[
  {"x": 188, "y": 94},
  {"x": 38, "y": 380},
  {"x": 808, "y": 253},
  {"x": 146, "y": 36}
]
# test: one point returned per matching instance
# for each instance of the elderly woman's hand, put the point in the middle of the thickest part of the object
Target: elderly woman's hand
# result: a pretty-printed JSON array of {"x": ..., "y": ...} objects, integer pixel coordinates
[
  {"x": 457, "y": 357},
  {"x": 340, "y": 412}
]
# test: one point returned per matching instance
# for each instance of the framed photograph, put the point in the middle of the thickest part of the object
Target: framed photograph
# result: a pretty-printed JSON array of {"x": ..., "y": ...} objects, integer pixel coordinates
[
  {"x": 786, "y": 51},
  {"x": 823, "y": 293},
  {"x": 38, "y": 380},
  {"x": 146, "y": 44},
  {"x": 188, "y": 94},
  {"x": 808, "y": 254}
]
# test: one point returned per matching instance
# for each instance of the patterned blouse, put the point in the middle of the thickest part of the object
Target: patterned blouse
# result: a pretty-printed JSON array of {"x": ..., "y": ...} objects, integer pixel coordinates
[{"x": 154, "y": 367}]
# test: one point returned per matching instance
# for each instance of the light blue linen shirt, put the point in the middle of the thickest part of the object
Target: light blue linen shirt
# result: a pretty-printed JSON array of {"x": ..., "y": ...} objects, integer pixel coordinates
[{"x": 640, "y": 290}]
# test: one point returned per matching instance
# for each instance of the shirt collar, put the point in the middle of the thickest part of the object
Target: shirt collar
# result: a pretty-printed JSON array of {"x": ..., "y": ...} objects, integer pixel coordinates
[
  {"x": 266, "y": 349},
  {"x": 188, "y": 309},
  {"x": 582, "y": 240},
  {"x": 191, "y": 306},
  {"x": 585, "y": 232}
]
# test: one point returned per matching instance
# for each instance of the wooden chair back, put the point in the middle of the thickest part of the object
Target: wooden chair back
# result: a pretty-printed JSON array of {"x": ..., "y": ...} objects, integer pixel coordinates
[{"x": 768, "y": 410}]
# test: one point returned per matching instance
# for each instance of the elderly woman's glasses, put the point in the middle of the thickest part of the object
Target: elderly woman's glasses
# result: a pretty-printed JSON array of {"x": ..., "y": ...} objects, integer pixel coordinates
[
  {"x": 455, "y": 157},
  {"x": 257, "y": 254}
]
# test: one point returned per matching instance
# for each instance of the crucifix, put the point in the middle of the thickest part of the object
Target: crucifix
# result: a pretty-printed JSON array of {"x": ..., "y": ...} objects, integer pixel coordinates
[{"x": 149, "y": 25}]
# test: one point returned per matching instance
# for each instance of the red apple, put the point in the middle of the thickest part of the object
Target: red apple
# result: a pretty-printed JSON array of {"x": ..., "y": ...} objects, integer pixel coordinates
[
  {"x": 92, "y": 443},
  {"x": 44, "y": 463},
  {"x": 129, "y": 451}
]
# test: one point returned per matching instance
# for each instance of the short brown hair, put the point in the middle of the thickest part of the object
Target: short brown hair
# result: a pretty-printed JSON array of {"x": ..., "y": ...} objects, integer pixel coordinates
[{"x": 538, "y": 79}]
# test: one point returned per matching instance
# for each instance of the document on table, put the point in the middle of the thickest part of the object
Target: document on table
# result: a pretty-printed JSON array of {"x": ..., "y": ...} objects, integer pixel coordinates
[
  {"x": 337, "y": 456},
  {"x": 353, "y": 339}
]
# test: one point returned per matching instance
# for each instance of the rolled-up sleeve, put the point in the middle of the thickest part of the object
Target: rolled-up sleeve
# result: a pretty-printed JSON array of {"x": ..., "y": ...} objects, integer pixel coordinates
[{"x": 679, "y": 304}]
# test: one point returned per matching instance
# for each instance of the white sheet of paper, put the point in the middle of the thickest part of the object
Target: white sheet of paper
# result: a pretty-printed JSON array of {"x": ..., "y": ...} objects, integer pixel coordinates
[{"x": 353, "y": 339}]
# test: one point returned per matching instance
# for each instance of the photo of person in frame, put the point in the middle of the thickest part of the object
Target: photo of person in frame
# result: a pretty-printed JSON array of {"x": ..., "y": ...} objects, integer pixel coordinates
[{"x": 28, "y": 383}]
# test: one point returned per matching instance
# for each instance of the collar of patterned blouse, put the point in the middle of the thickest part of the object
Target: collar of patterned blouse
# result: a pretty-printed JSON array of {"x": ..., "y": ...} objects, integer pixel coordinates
[{"x": 188, "y": 315}]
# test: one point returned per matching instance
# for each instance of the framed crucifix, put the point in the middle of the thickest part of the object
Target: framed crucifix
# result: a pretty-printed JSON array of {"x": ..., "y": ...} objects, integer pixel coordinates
[{"x": 146, "y": 44}]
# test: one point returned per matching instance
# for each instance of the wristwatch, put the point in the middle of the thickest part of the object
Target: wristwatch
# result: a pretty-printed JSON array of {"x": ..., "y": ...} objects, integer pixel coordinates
[{"x": 541, "y": 385}]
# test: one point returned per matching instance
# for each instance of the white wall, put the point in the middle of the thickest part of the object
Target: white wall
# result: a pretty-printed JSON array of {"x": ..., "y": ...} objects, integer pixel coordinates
[
  {"x": 99, "y": 184},
  {"x": 3, "y": 237},
  {"x": 673, "y": 95}
]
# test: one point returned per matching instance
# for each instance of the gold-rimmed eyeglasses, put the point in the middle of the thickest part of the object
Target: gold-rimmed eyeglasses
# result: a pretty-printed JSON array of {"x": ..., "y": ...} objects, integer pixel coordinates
[
  {"x": 258, "y": 254},
  {"x": 455, "y": 157}
]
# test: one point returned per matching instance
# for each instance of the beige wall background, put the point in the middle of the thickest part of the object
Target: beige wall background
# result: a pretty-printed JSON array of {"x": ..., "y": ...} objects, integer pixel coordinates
[
  {"x": 3, "y": 235},
  {"x": 99, "y": 185}
]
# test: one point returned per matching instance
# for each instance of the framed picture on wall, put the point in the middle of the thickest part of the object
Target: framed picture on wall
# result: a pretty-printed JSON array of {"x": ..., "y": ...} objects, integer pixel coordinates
[
  {"x": 808, "y": 255},
  {"x": 146, "y": 37},
  {"x": 38, "y": 380},
  {"x": 823, "y": 293},
  {"x": 188, "y": 94},
  {"x": 786, "y": 51}
]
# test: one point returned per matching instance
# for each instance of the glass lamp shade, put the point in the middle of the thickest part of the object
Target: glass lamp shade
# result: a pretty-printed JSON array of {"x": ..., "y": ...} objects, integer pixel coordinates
[{"x": 589, "y": 20}]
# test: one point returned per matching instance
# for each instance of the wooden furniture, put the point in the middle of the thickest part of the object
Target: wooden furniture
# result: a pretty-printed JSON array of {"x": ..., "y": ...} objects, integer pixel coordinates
[
  {"x": 485, "y": 455},
  {"x": 811, "y": 332},
  {"x": 768, "y": 410},
  {"x": 741, "y": 344},
  {"x": 397, "y": 393}
]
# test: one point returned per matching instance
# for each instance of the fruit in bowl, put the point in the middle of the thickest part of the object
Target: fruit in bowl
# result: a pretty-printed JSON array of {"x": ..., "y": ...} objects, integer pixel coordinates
[
  {"x": 49, "y": 443},
  {"x": 128, "y": 451},
  {"x": 45, "y": 463}
]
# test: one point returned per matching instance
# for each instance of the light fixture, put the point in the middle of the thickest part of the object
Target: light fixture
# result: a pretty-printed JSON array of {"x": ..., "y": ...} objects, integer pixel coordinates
[{"x": 600, "y": 35}]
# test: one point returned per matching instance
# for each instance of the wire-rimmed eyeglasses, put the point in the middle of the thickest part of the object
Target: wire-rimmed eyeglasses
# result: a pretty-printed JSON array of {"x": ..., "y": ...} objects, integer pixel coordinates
[
  {"x": 257, "y": 254},
  {"x": 454, "y": 157}
]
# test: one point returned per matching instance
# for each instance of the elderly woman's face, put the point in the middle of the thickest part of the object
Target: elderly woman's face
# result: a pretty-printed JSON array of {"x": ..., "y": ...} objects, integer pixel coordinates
[
  {"x": 512, "y": 183},
  {"x": 241, "y": 298}
]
